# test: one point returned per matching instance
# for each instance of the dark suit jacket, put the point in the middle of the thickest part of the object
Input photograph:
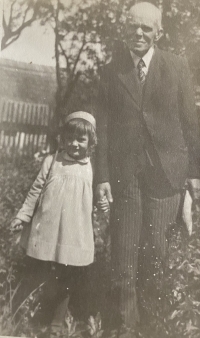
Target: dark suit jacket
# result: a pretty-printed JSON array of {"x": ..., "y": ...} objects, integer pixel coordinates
[{"x": 163, "y": 118}]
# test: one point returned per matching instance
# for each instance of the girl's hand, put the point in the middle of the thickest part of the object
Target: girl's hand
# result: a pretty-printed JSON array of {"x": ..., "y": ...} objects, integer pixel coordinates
[
  {"x": 103, "y": 204},
  {"x": 16, "y": 225}
]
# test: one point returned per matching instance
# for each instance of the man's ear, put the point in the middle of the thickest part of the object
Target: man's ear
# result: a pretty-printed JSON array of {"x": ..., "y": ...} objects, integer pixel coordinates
[{"x": 159, "y": 34}]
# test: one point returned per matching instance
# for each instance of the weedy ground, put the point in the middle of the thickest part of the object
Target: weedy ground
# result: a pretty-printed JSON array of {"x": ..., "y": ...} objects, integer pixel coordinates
[{"x": 179, "y": 318}]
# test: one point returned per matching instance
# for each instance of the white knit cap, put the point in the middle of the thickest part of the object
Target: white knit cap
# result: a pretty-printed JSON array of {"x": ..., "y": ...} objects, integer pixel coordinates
[{"x": 81, "y": 115}]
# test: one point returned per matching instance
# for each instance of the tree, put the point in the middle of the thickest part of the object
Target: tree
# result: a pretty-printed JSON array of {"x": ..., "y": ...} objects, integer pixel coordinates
[
  {"x": 182, "y": 25},
  {"x": 81, "y": 31},
  {"x": 181, "y": 22},
  {"x": 17, "y": 15}
]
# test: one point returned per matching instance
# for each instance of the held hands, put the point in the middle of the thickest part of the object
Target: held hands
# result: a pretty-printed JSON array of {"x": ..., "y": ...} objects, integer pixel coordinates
[
  {"x": 104, "y": 196},
  {"x": 16, "y": 224},
  {"x": 103, "y": 204}
]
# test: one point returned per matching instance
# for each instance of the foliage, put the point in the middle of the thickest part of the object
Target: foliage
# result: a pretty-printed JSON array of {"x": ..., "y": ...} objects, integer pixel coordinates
[
  {"x": 180, "y": 316},
  {"x": 15, "y": 180},
  {"x": 184, "y": 273},
  {"x": 181, "y": 24},
  {"x": 78, "y": 51},
  {"x": 177, "y": 315},
  {"x": 16, "y": 321}
]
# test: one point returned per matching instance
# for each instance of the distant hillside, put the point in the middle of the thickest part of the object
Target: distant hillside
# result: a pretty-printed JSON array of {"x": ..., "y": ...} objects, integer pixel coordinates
[{"x": 27, "y": 82}]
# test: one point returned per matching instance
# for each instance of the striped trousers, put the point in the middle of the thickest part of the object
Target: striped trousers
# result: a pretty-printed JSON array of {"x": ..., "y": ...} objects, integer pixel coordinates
[{"x": 139, "y": 225}]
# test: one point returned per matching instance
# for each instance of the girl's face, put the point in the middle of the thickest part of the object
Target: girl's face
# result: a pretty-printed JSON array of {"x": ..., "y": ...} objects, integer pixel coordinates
[{"x": 76, "y": 146}]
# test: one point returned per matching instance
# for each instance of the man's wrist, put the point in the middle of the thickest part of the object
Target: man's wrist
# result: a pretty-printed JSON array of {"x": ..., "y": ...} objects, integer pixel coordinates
[{"x": 193, "y": 186}]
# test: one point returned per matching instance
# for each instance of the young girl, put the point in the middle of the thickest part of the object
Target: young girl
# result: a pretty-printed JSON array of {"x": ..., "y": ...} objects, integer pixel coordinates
[{"x": 59, "y": 203}]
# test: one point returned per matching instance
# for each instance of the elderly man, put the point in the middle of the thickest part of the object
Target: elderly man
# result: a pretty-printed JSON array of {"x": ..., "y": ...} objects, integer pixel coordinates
[{"x": 148, "y": 146}]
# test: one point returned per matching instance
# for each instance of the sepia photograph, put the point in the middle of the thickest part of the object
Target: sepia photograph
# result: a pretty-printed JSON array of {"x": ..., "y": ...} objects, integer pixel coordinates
[{"x": 100, "y": 168}]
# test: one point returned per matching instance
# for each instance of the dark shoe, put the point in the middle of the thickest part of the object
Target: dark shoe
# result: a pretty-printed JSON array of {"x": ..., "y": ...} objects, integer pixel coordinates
[{"x": 58, "y": 331}]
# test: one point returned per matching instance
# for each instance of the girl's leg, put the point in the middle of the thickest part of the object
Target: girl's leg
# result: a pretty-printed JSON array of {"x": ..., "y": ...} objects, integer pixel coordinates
[
  {"x": 60, "y": 313},
  {"x": 62, "y": 282},
  {"x": 71, "y": 298}
]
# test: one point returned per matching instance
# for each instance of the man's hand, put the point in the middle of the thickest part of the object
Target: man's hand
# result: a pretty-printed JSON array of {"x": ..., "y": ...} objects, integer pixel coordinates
[
  {"x": 194, "y": 188},
  {"x": 103, "y": 196},
  {"x": 192, "y": 194},
  {"x": 187, "y": 212},
  {"x": 16, "y": 224}
]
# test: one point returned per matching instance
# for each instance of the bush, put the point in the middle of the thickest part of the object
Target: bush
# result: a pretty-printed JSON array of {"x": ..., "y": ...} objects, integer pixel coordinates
[
  {"x": 178, "y": 316},
  {"x": 184, "y": 277},
  {"x": 16, "y": 177}
]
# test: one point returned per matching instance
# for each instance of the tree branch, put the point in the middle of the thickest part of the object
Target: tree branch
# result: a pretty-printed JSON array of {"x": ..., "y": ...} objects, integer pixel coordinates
[
  {"x": 25, "y": 14},
  {"x": 15, "y": 34},
  {"x": 5, "y": 26},
  {"x": 58, "y": 76},
  {"x": 25, "y": 24},
  {"x": 5, "y": 44},
  {"x": 11, "y": 14},
  {"x": 9, "y": 33},
  {"x": 64, "y": 54},
  {"x": 78, "y": 56},
  {"x": 70, "y": 88}
]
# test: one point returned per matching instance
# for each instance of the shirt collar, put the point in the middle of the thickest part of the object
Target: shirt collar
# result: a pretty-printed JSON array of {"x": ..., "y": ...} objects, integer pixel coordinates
[
  {"x": 68, "y": 158},
  {"x": 146, "y": 58}
]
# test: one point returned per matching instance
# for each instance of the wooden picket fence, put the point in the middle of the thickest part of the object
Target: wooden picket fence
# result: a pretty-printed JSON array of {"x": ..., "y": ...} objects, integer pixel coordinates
[{"x": 24, "y": 126}]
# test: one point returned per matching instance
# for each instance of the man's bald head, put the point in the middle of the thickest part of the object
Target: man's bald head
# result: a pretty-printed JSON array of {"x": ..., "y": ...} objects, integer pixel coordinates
[{"x": 148, "y": 10}]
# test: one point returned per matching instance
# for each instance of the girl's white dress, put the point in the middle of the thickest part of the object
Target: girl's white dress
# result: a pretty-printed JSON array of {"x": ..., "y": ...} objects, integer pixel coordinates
[{"x": 61, "y": 228}]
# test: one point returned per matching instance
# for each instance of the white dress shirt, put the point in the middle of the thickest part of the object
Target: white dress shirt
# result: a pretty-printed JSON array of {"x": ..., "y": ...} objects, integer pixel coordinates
[{"x": 146, "y": 58}]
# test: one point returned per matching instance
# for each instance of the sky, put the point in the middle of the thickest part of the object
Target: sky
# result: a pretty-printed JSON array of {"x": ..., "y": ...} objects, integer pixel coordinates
[{"x": 35, "y": 45}]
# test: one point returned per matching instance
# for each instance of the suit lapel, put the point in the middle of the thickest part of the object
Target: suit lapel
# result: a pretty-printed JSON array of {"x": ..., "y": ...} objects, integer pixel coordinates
[
  {"x": 132, "y": 85},
  {"x": 153, "y": 79},
  {"x": 127, "y": 73}
]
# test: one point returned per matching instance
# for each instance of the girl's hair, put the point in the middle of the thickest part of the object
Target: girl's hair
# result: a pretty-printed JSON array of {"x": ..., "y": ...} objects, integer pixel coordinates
[{"x": 80, "y": 127}]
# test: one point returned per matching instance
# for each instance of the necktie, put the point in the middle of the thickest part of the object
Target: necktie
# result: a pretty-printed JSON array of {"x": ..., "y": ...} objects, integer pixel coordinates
[{"x": 141, "y": 73}]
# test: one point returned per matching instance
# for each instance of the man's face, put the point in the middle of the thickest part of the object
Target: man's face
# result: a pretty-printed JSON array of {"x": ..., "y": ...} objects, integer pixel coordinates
[{"x": 141, "y": 32}]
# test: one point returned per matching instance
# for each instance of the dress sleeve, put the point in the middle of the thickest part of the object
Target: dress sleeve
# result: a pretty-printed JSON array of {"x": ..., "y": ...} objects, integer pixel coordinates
[{"x": 27, "y": 210}]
